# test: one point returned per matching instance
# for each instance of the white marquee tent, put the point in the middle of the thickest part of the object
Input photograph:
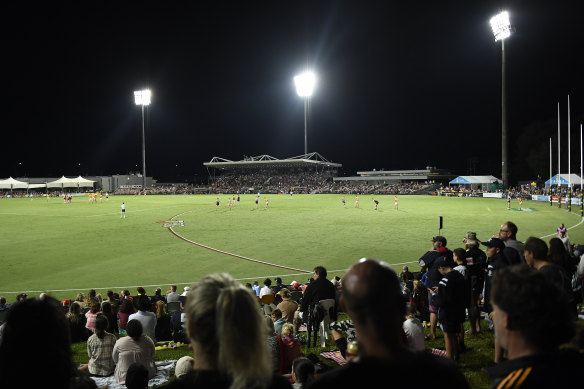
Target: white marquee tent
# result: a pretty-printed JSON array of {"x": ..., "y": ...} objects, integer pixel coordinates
[
  {"x": 11, "y": 183},
  {"x": 65, "y": 182}
]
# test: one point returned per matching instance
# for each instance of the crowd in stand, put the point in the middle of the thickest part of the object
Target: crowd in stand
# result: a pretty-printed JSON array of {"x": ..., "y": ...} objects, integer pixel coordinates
[{"x": 528, "y": 293}]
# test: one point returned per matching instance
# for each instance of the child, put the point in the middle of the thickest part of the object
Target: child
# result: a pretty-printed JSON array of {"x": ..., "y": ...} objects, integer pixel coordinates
[
  {"x": 291, "y": 347},
  {"x": 302, "y": 372}
]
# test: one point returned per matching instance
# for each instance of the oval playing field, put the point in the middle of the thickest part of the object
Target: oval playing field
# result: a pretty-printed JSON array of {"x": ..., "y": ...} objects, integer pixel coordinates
[{"x": 66, "y": 248}]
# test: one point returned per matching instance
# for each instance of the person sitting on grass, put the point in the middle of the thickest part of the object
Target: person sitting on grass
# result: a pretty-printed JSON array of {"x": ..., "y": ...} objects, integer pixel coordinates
[
  {"x": 126, "y": 309},
  {"x": 302, "y": 372},
  {"x": 92, "y": 315},
  {"x": 99, "y": 348},
  {"x": 135, "y": 347},
  {"x": 278, "y": 320},
  {"x": 77, "y": 321},
  {"x": 291, "y": 347},
  {"x": 163, "y": 327},
  {"x": 145, "y": 316}
]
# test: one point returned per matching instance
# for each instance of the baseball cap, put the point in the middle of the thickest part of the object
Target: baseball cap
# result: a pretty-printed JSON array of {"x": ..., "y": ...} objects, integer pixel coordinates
[
  {"x": 494, "y": 242},
  {"x": 183, "y": 366},
  {"x": 439, "y": 238},
  {"x": 187, "y": 288}
]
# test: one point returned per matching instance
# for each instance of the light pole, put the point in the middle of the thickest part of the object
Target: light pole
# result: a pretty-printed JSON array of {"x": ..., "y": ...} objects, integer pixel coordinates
[
  {"x": 142, "y": 98},
  {"x": 502, "y": 29},
  {"x": 304, "y": 87}
]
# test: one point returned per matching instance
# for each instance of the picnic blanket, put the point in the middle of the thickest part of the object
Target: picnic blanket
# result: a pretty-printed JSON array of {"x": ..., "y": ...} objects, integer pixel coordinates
[
  {"x": 162, "y": 375},
  {"x": 335, "y": 356}
]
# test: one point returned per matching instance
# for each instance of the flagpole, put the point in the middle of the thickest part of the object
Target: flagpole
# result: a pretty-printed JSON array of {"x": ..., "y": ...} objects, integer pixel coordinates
[
  {"x": 551, "y": 177},
  {"x": 559, "y": 163},
  {"x": 569, "y": 162}
]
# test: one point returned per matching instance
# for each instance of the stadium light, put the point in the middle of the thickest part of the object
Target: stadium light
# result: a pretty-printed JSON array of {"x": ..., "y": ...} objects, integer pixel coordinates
[
  {"x": 502, "y": 30},
  {"x": 305, "y": 83},
  {"x": 142, "y": 98}
]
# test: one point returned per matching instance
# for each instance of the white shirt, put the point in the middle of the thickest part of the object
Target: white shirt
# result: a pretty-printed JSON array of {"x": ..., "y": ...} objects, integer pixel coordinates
[
  {"x": 415, "y": 334},
  {"x": 265, "y": 290}
]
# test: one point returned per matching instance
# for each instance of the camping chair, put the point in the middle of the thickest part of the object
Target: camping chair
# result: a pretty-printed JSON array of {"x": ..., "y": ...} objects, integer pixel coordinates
[
  {"x": 268, "y": 303},
  {"x": 173, "y": 306},
  {"x": 330, "y": 315}
]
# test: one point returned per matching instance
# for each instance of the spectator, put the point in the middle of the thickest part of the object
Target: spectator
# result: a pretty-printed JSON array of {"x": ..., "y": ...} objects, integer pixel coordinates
[
  {"x": 186, "y": 290},
  {"x": 413, "y": 329},
  {"x": 77, "y": 321},
  {"x": 126, "y": 309},
  {"x": 430, "y": 261},
  {"x": 220, "y": 339},
  {"x": 317, "y": 290},
  {"x": 287, "y": 306},
  {"x": 451, "y": 299},
  {"x": 302, "y": 372},
  {"x": 267, "y": 288},
  {"x": 146, "y": 318},
  {"x": 92, "y": 314},
  {"x": 278, "y": 320},
  {"x": 337, "y": 328},
  {"x": 99, "y": 348},
  {"x": 476, "y": 264},
  {"x": 158, "y": 296},
  {"x": 532, "y": 319},
  {"x": 39, "y": 327},
  {"x": 278, "y": 285},
  {"x": 291, "y": 347},
  {"x": 256, "y": 288},
  {"x": 137, "y": 376},
  {"x": 274, "y": 341},
  {"x": 508, "y": 234},
  {"x": 115, "y": 302},
  {"x": 420, "y": 301},
  {"x": 3, "y": 306},
  {"x": 177, "y": 322},
  {"x": 107, "y": 311},
  {"x": 135, "y": 347},
  {"x": 407, "y": 277},
  {"x": 171, "y": 295},
  {"x": 162, "y": 330},
  {"x": 378, "y": 322}
]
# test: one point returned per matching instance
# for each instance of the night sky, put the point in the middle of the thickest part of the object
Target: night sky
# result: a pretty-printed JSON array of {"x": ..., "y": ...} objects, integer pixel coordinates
[{"x": 401, "y": 85}]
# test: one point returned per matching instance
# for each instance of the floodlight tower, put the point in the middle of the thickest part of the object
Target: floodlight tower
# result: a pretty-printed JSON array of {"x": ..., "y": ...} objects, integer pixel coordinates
[
  {"x": 142, "y": 98},
  {"x": 502, "y": 30},
  {"x": 304, "y": 87}
]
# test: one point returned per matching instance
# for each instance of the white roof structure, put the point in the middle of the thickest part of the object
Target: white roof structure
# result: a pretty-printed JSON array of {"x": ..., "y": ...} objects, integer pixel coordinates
[
  {"x": 11, "y": 183},
  {"x": 65, "y": 182},
  {"x": 564, "y": 179},
  {"x": 475, "y": 180}
]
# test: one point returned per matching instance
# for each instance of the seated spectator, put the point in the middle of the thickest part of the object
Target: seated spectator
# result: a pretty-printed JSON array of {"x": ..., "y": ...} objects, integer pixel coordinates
[
  {"x": 162, "y": 330},
  {"x": 91, "y": 315},
  {"x": 420, "y": 301},
  {"x": 137, "y": 376},
  {"x": 291, "y": 347},
  {"x": 186, "y": 290},
  {"x": 99, "y": 348},
  {"x": 278, "y": 320},
  {"x": 267, "y": 289},
  {"x": 147, "y": 318},
  {"x": 158, "y": 296},
  {"x": 302, "y": 372},
  {"x": 256, "y": 287},
  {"x": 3, "y": 306},
  {"x": 274, "y": 346},
  {"x": 115, "y": 302},
  {"x": 532, "y": 319},
  {"x": 126, "y": 309},
  {"x": 36, "y": 349},
  {"x": 278, "y": 285},
  {"x": 89, "y": 299},
  {"x": 413, "y": 329},
  {"x": 407, "y": 277},
  {"x": 107, "y": 311},
  {"x": 135, "y": 347},
  {"x": 77, "y": 321},
  {"x": 171, "y": 295},
  {"x": 287, "y": 306},
  {"x": 220, "y": 339}
]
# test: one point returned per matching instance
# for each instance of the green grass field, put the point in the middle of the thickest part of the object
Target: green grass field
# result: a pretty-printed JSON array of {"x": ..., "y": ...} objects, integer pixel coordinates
[{"x": 64, "y": 249}]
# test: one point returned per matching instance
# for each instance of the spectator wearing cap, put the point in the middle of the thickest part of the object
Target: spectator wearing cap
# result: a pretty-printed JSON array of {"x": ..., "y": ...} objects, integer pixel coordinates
[
  {"x": 495, "y": 262},
  {"x": 532, "y": 321},
  {"x": 186, "y": 290},
  {"x": 508, "y": 234},
  {"x": 433, "y": 276},
  {"x": 276, "y": 288},
  {"x": 451, "y": 299},
  {"x": 183, "y": 366},
  {"x": 287, "y": 306},
  {"x": 476, "y": 263},
  {"x": 21, "y": 297}
]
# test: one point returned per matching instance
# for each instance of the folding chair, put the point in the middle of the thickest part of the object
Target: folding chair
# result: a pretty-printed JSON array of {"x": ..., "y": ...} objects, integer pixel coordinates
[
  {"x": 173, "y": 306},
  {"x": 330, "y": 316}
]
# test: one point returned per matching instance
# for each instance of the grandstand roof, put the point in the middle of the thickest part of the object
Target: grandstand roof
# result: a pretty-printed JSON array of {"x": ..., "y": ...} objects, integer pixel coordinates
[{"x": 267, "y": 161}]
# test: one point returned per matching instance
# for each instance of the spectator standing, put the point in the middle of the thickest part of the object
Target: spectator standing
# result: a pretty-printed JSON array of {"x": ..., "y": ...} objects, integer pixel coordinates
[
  {"x": 508, "y": 234},
  {"x": 378, "y": 322},
  {"x": 476, "y": 265},
  {"x": 433, "y": 276},
  {"x": 317, "y": 290}
]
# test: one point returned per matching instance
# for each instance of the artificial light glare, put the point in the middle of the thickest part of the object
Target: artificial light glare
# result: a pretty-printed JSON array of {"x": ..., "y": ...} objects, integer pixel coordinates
[
  {"x": 501, "y": 26},
  {"x": 142, "y": 97},
  {"x": 305, "y": 84}
]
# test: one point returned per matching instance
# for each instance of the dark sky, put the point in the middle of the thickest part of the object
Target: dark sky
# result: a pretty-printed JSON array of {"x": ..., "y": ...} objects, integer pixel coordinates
[{"x": 401, "y": 85}]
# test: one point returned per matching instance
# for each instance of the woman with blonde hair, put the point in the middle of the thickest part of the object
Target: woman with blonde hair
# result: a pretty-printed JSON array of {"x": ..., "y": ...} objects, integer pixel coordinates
[
  {"x": 224, "y": 326},
  {"x": 162, "y": 330}
]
